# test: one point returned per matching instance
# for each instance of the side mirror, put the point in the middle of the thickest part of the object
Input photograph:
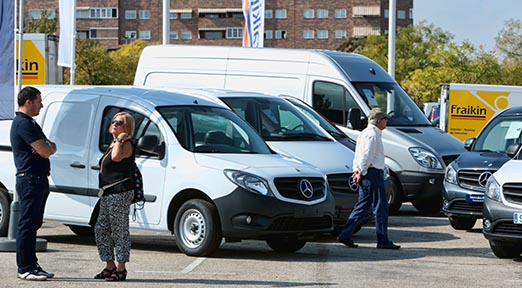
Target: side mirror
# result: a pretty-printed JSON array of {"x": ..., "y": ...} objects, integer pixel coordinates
[
  {"x": 468, "y": 143},
  {"x": 513, "y": 149},
  {"x": 354, "y": 118},
  {"x": 148, "y": 144}
]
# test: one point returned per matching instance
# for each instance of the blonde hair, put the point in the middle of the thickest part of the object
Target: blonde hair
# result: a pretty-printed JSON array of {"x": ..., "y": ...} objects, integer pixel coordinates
[{"x": 129, "y": 122}]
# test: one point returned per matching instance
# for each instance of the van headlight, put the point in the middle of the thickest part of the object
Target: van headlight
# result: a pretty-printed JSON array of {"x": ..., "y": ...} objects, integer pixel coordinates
[
  {"x": 425, "y": 158},
  {"x": 250, "y": 182},
  {"x": 451, "y": 175},
  {"x": 493, "y": 189}
]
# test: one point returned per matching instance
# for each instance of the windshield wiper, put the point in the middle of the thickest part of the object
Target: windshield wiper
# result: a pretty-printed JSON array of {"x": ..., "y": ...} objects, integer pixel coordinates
[{"x": 305, "y": 136}]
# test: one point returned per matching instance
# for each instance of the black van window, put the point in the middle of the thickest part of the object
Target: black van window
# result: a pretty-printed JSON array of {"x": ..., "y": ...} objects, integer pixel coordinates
[{"x": 333, "y": 101}]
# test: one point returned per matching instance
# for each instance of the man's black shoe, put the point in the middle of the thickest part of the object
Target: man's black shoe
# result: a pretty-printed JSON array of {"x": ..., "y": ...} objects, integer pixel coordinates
[
  {"x": 347, "y": 242},
  {"x": 388, "y": 245}
]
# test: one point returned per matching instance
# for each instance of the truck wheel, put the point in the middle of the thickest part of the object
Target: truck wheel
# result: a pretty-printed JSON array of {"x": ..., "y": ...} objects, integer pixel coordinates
[
  {"x": 5, "y": 210},
  {"x": 505, "y": 250},
  {"x": 286, "y": 244},
  {"x": 197, "y": 228},
  {"x": 394, "y": 195},
  {"x": 82, "y": 231},
  {"x": 462, "y": 223}
]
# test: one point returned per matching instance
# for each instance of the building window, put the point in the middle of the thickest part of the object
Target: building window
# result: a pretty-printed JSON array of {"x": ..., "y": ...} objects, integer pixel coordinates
[
  {"x": 173, "y": 35},
  {"x": 363, "y": 31},
  {"x": 235, "y": 33},
  {"x": 269, "y": 34},
  {"x": 173, "y": 15},
  {"x": 83, "y": 13},
  {"x": 103, "y": 33},
  {"x": 309, "y": 14},
  {"x": 186, "y": 35},
  {"x": 280, "y": 14},
  {"x": 322, "y": 34},
  {"x": 37, "y": 14},
  {"x": 322, "y": 13},
  {"x": 145, "y": 35},
  {"x": 130, "y": 14},
  {"x": 104, "y": 13},
  {"x": 411, "y": 13},
  {"x": 130, "y": 35},
  {"x": 211, "y": 34},
  {"x": 340, "y": 13},
  {"x": 386, "y": 13},
  {"x": 269, "y": 14},
  {"x": 144, "y": 14},
  {"x": 340, "y": 34},
  {"x": 280, "y": 34},
  {"x": 401, "y": 14},
  {"x": 185, "y": 16},
  {"x": 365, "y": 11},
  {"x": 308, "y": 34}
]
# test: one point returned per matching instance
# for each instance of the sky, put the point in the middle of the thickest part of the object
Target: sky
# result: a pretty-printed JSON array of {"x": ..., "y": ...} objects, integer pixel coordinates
[{"x": 478, "y": 21}]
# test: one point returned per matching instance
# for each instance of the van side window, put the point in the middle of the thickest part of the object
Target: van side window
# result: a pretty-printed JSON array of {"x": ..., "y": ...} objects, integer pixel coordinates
[
  {"x": 143, "y": 126},
  {"x": 333, "y": 101},
  {"x": 68, "y": 117}
]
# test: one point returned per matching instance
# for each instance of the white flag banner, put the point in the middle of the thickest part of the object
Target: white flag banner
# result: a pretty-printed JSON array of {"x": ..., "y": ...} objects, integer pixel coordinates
[
  {"x": 253, "y": 33},
  {"x": 67, "y": 10},
  {"x": 7, "y": 47}
]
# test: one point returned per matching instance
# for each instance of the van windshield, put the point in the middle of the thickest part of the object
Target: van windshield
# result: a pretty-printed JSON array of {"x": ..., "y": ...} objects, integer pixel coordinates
[
  {"x": 391, "y": 98},
  {"x": 203, "y": 129},
  {"x": 276, "y": 119},
  {"x": 499, "y": 134}
]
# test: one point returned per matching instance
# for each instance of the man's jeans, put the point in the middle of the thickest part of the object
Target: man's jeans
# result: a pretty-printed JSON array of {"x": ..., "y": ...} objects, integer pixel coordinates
[
  {"x": 33, "y": 191},
  {"x": 372, "y": 193}
]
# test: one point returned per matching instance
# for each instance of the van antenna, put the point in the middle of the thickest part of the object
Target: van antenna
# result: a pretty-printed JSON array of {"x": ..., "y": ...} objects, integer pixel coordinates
[{"x": 196, "y": 102}]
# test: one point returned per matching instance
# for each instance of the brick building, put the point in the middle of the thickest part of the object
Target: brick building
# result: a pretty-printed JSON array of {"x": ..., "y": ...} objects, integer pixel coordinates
[{"x": 288, "y": 23}]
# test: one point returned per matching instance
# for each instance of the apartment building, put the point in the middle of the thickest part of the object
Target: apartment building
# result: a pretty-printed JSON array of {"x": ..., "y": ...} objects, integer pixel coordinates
[{"x": 317, "y": 24}]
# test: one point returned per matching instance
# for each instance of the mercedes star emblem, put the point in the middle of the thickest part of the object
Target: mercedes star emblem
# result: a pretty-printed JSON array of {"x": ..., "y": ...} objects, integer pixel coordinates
[
  {"x": 483, "y": 178},
  {"x": 306, "y": 188}
]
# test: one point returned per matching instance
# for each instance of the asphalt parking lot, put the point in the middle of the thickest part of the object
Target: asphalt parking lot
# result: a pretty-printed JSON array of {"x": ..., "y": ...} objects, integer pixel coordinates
[{"x": 433, "y": 255}]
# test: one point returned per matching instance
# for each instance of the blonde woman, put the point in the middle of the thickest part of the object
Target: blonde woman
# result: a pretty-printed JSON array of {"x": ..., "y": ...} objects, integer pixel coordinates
[{"x": 116, "y": 185}]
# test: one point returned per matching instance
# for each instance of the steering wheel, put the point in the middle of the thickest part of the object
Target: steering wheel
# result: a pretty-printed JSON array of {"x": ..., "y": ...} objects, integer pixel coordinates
[
  {"x": 280, "y": 129},
  {"x": 297, "y": 127}
]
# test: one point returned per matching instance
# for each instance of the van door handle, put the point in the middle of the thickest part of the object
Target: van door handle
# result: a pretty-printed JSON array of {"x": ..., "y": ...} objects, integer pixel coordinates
[
  {"x": 95, "y": 167},
  {"x": 77, "y": 165}
]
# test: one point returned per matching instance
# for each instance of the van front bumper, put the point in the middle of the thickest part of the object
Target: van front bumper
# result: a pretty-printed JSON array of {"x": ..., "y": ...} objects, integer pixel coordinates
[
  {"x": 461, "y": 202},
  {"x": 498, "y": 222},
  {"x": 244, "y": 214},
  {"x": 418, "y": 185}
]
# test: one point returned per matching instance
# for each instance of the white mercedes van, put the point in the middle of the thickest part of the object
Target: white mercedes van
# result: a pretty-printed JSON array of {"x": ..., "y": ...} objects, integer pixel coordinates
[
  {"x": 207, "y": 174},
  {"x": 344, "y": 87}
]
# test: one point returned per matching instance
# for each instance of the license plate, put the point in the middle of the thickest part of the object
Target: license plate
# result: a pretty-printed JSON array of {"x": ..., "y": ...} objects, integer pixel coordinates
[
  {"x": 517, "y": 218},
  {"x": 475, "y": 198}
]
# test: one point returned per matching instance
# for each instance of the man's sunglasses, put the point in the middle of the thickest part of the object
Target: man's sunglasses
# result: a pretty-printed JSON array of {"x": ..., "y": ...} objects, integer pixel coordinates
[{"x": 117, "y": 122}]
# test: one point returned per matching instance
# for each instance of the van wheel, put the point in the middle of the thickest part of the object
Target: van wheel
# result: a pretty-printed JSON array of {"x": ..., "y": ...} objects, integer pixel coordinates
[
  {"x": 197, "y": 228},
  {"x": 505, "y": 250},
  {"x": 286, "y": 244},
  {"x": 462, "y": 223},
  {"x": 5, "y": 210},
  {"x": 82, "y": 231},
  {"x": 394, "y": 195}
]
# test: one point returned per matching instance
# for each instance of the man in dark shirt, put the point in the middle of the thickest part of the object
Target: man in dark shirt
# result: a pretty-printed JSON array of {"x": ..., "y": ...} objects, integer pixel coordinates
[{"x": 31, "y": 151}]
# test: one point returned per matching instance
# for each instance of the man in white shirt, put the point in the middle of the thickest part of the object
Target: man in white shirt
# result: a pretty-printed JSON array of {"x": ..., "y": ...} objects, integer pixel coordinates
[{"x": 368, "y": 166}]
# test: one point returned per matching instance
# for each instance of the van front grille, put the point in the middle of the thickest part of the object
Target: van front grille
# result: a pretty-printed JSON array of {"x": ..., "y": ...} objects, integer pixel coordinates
[
  {"x": 289, "y": 187},
  {"x": 508, "y": 228},
  {"x": 467, "y": 207},
  {"x": 301, "y": 224},
  {"x": 471, "y": 179},
  {"x": 513, "y": 192},
  {"x": 339, "y": 183}
]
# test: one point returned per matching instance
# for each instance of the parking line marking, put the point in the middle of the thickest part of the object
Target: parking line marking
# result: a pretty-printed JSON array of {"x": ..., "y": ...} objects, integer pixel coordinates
[{"x": 193, "y": 265}]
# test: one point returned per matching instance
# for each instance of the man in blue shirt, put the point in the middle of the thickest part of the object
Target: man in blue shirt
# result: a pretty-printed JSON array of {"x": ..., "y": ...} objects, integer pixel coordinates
[{"x": 31, "y": 151}]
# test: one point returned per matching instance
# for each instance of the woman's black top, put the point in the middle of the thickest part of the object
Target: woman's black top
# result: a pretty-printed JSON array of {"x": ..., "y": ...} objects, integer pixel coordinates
[{"x": 111, "y": 172}]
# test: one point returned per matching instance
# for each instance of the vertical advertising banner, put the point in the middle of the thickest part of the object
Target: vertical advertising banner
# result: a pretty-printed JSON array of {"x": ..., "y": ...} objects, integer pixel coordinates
[
  {"x": 66, "y": 45},
  {"x": 7, "y": 59},
  {"x": 253, "y": 33}
]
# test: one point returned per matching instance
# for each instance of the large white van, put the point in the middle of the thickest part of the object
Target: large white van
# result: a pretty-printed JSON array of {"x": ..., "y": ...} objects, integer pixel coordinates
[
  {"x": 207, "y": 174},
  {"x": 342, "y": 86}
]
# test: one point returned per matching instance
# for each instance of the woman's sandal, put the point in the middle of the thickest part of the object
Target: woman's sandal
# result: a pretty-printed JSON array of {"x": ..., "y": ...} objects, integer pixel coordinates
[
  {"x": 105, "y": 273},
  {"x": 117, "y": 276}
]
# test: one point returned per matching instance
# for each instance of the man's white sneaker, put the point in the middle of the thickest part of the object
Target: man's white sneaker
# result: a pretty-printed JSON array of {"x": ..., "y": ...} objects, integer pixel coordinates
[
  {"x": 32, "y": 276},
  {"x": 40, "y": 271}
]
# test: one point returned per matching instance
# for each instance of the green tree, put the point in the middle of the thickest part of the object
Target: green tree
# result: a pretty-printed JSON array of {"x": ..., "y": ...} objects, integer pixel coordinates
[
  {"x": 125, "y": 60},
  {"x": 509, "y": 46},
  {"x": 42, "y": 25},
  {"x": 93, "y": 64}
]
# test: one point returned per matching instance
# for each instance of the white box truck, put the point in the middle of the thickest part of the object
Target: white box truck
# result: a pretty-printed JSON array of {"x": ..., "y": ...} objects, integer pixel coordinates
[
  {"x": 342, "y": 86},
  {"x": 466, "y": 108}
]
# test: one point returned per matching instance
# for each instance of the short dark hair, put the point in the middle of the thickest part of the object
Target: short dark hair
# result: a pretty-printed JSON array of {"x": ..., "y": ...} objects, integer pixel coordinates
[{"x": 27, "y": 93}]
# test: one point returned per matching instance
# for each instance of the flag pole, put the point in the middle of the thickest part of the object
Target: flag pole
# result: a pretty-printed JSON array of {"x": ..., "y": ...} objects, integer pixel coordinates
[{"x": 73, "y": 54}]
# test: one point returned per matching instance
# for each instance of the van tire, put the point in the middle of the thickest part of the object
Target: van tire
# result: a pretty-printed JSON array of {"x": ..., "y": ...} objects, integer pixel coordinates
[
  {"x": 286, "y": 244},
  {"x": 5, "y": 211},
  {"x": 82, "y": 231},
  {"x": 394, "y": 196},
  {"x": 462, "y": 223},
  {"x": 197, "y": 228},
  {"x": 505, "y": 250}
]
